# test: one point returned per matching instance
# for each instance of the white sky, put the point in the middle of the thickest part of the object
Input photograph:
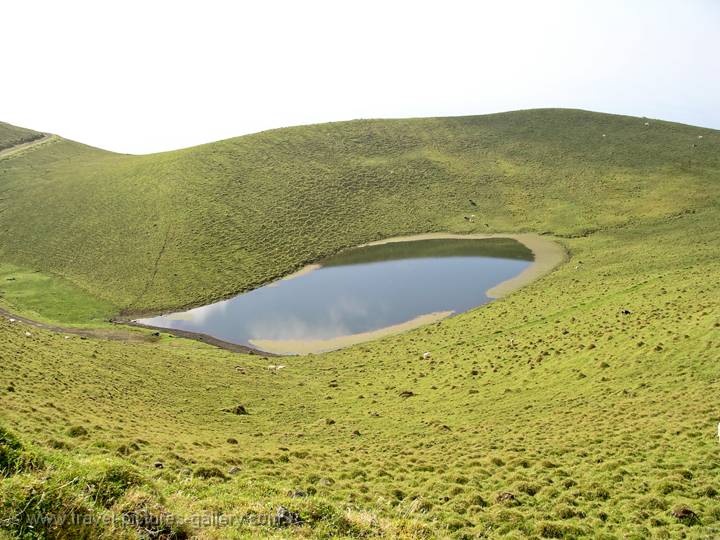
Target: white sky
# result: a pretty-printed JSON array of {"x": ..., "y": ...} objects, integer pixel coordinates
[{"x": 143, "y": 76}]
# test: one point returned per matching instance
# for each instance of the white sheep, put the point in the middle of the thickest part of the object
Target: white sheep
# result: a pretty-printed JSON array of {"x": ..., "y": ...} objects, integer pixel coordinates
[{"x": 426, "y": 356}]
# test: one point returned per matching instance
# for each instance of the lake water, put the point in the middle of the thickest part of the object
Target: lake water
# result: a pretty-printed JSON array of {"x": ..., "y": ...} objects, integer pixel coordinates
[{"x": 359, "y": 294}]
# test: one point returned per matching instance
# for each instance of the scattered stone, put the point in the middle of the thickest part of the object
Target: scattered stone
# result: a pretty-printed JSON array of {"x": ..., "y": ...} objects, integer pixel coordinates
[
  {"x": 406, "y": 394},
  {"x": 683, "y": 513},
  {"x": 234, "y": 470},
  {"x": 286, "y": 518},
  {"x": 297, "y": 494},
  {"x": 626, "y": 312},
  {"x": 426, "y": 356},
  {"x": 329, "y": 421},
  {"x": 232, "y": 440},
  {"x": 28, "y": 334},
  {"x": 155, "y": 334},
  {"x": 238, "y": 409},
  {"x": 505, "y": 496},
  {"x": 159, "y": 465},
  {"x": 356, "y": 433},
  {"x": 326, "y": 481}
]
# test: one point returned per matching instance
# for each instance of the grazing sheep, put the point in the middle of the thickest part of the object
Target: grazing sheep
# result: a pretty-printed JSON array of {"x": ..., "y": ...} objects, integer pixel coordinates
[
  {"x": 647, "y": 123},
  {"x": 28, "y": 334},
  {"x": 275, "y": 368},
  {"x": 700, "y": 136},
  {"x": 426, "y": 356}
]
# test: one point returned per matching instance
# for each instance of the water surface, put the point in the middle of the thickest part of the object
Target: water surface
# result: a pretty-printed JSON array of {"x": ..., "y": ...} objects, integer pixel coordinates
[{"x": 353, "y": 296}]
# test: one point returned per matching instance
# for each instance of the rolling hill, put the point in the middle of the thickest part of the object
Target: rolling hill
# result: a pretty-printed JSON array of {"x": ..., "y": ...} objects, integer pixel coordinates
[{"x": 583, "y": 405}]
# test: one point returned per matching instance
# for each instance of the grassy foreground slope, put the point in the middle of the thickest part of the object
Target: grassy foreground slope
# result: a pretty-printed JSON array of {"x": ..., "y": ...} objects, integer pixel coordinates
[{"x": 584, "y": 405}]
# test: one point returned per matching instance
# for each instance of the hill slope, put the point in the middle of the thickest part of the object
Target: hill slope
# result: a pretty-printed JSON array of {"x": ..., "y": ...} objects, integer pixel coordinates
[
  {"x": 583, "y": 405},
  {"x": 185, "y": 227}
]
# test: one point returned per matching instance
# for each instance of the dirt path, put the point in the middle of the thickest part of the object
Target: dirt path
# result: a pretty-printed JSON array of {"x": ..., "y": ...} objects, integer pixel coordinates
[
  {"x": 18, "y": 148},
  {"x": 118, "y": 335}
]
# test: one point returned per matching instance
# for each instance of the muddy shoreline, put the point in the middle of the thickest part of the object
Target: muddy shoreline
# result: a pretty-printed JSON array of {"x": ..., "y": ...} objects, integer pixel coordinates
[
  {"x": 197, "y": 336},
  {"x": 124, "y": 335}
]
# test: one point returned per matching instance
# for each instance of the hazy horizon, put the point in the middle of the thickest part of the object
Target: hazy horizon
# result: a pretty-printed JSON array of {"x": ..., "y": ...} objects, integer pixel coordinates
[{"x": 140, "y": 79}]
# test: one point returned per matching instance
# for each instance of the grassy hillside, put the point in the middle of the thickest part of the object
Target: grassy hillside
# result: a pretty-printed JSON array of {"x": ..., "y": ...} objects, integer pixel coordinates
[
  {"x": 584, "y": 405},
  {"x": 186, "y": 227}
]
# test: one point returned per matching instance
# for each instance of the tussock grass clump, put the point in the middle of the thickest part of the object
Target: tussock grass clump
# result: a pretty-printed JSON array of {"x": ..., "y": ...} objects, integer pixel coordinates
[{"x": 14, "y": 457}]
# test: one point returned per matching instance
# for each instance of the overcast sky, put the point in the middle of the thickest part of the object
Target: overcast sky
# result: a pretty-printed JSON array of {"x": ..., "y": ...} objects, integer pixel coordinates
[{"x": 144, "y": 76}]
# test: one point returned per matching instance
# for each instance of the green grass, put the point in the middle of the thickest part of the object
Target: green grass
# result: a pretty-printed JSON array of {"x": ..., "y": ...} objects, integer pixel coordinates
[
  {"x": 50, "y": 298},
  {"x": 599, "y": 423},
  {"x": 195, "y": 225}
]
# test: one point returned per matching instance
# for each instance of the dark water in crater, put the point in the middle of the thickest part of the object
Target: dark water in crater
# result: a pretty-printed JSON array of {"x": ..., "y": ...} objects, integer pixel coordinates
[{"x": 361, "y": 290}]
